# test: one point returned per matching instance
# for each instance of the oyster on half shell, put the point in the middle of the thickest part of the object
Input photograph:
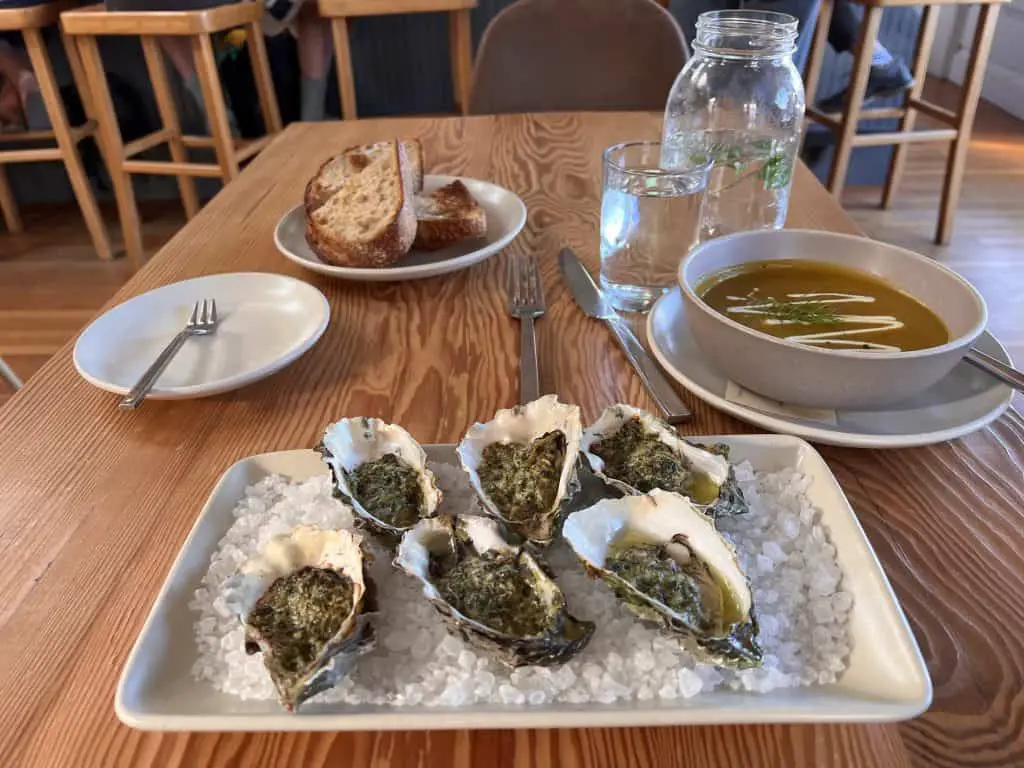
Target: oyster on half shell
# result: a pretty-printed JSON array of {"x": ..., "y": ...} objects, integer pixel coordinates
[
  {"x": 669, "y": 565},
  {"x": 522, "y": 465},
  {"x": 490, "y": 594},
  {"x": 382, "y": 471},
  {"x": 632, "y": 451},
  {"x": 305, "y": 601}
]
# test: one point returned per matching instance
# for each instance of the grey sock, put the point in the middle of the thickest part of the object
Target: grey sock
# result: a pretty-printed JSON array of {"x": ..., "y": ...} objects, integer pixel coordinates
[
  {"x": 313, "y": 93},
  {"x": 35, "y": 112},
  {"x": 196, "y": 91}
]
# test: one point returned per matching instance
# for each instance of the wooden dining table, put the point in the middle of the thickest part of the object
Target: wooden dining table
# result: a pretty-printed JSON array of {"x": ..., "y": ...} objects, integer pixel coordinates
[{"x": 96, "y": 502}]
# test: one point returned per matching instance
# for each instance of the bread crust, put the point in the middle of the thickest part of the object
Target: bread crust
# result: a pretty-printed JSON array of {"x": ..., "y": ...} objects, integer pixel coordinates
[
  {"x": 393, "y": 242},
  {"x": 454, "y": 215}
]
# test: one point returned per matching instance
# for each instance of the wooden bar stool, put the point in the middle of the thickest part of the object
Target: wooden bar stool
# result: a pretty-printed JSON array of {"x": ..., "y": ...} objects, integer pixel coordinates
[
  {"x": 30, "y": 21},
  {"x": 960, "y": 122},
  {"x": 87, "y": 24},
  {"x": 459, "y": 40}
]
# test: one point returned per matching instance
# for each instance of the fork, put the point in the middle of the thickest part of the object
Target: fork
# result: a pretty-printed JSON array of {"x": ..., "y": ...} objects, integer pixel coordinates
[
  {"x": 526, "y": 302},
  {"x": 202, "y": 323}
]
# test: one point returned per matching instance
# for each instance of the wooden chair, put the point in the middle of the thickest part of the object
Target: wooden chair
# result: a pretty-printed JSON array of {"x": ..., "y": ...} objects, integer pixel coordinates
[
  {"x": 460, "y": 40},
  {"x": 87, "y": 24},
  {"x": 959, "y": 122},
  {"x": 30, "y": 21},
  {"x": 551, "y": 55}
]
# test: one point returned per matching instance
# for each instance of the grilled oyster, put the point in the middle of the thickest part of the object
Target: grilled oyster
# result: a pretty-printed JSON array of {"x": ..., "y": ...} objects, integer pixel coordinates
[
  {"x": 634, "y": 452},
  {"x": 305, "y": 603},
  {"x": 668, "y": 564},
  {"x": 490, "y": 594},
  {"x": 522, "y": 464},
  {"x": 382, "y": 472}
]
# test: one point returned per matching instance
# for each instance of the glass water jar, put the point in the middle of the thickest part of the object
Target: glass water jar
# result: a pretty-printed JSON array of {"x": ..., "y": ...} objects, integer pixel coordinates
[{"x": 739, "y": 102}]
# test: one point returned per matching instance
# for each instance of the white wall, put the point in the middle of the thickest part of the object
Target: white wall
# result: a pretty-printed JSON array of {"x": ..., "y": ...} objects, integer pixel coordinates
[{"x": 1004, "y": 78}]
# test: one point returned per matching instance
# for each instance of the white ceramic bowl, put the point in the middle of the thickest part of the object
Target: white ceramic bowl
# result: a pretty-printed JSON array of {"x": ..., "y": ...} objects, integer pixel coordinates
[{"x": 830, "y": 378}]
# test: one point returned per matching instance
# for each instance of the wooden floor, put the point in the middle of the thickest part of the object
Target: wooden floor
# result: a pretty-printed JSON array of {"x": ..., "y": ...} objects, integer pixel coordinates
[{"x": 51, "y": 283}]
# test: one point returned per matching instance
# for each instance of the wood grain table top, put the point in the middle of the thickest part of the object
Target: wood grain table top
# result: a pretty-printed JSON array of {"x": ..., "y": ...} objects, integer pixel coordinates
[{"x": 95, "y": 503}]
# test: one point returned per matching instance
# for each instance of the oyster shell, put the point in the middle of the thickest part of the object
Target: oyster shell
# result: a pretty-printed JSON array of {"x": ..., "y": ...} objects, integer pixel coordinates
[
  {"x": 522, "y": 465},
  {"x": 382, "y": 472},
  {"x": 668, "y": 564},
  {"x": 519, "y": 615},
  {"x": 305, "y": 602},
  {"x": 701, "y": 473}
]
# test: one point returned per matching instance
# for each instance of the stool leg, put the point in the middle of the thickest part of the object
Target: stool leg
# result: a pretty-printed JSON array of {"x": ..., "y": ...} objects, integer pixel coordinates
[
  {"x": 112, "y": 146},
  {"x": 816, "y": 55},
  {"x": 216, "y": 108},
  {"x": 983, "y": 35},
  {"x": 50, "y": 92},
  {"x": 264, "y": 83},
  {"x": 169, "y": 117},
  {"x": 343, "y": 62},
  {"x": 854, "y": 99},
  {"x": 9, "y": 208},
  {"x": 925, "y": 37},
  {"x": 460, "y": 41}
]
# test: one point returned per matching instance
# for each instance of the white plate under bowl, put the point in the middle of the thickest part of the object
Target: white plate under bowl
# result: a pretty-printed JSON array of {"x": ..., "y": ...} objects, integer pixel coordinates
[
  {"x": 506, "y": 216},
  {"x": 963, "y": 402},
  {"x": 266, "y": 322},
  {"x": 886, "y": 679}
]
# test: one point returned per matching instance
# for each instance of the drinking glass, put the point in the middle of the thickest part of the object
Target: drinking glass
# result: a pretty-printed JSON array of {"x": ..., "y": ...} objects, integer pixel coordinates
[{"x": 650, "y": 219}]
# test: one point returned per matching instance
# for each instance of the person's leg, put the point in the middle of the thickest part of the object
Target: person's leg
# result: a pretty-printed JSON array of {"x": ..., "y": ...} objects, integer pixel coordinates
[
  {"x": 889, "y": 74},
  {"x": 179, "y": 51},
  {"x": 15, "y": 67},
  {"x": 314, "y": 39}
]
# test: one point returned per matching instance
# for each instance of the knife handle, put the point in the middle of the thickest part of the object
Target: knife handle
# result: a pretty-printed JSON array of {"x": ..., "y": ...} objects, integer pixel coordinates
[{"x": 661, "y": 390}]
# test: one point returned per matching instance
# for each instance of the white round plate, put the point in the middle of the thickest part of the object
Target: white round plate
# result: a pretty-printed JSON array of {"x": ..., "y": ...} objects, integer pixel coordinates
[
  {"x": 506, "y": 216},
  {"x": 266, "y": 322},
  {"x": 963, "y": 402}
]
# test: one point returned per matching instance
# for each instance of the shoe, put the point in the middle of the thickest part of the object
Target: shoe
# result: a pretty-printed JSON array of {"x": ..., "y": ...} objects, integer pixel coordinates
[{"x": 885, "y": 80}]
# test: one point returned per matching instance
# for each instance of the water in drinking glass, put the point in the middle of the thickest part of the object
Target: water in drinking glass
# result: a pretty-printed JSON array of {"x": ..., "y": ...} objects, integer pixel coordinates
[{"x": 650, "y": 219}]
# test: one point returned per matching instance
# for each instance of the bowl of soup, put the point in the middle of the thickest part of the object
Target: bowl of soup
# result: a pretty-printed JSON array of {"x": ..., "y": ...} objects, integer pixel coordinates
[{"x": 827, "y": 320}]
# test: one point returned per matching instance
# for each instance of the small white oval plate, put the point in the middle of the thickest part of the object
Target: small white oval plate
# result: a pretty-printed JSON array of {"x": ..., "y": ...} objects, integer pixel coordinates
[
  {"x": 506, "y": 216},
  {"x": 963, "y": 402},
  {"x": 266, "y": 322}
]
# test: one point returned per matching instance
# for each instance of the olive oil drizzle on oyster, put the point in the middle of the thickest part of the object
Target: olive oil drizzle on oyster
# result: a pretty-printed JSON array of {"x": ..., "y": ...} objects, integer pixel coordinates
[
  {"x": 636, "y": 456},
  {"x": 497, "y": 590},
  {"x": 673, "y": 575},
  {"x": 522, "y": 478},
  {"x": 298, "y": 615},
  {"x": 389, "y": 489}
]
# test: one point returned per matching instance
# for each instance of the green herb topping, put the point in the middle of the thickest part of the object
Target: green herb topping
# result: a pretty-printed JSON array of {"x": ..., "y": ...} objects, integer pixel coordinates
[
  {"x": 389, "y": 489},
  {"x": 637, "y": 457},
  {"x": 522, "y": 478},
  {"x": 298, "y": 615},
  {"x": 804, "y": 312},
  {"x": 689, "y": 589},
  {"x": 498, "y": 590}
]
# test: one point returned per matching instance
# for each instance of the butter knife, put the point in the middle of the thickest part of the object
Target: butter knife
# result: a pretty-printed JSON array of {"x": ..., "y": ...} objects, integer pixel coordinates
[{"x": 593, "y": 303}]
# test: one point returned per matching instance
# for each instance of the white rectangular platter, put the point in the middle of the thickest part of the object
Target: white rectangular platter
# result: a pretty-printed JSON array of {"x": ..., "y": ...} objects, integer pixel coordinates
[{"x": 886, "y": 679}]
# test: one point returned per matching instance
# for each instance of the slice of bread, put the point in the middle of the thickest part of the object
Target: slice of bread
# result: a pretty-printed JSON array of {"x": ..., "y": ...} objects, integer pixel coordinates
[
  {"x": 333, "y": 174},
  {"x": 447, "y": 215},
  {"x": 369, "y": 219}
]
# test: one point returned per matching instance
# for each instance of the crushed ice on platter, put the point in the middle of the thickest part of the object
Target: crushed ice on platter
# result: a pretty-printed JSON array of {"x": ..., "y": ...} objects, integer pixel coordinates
[{"x": 802, "y": 608}]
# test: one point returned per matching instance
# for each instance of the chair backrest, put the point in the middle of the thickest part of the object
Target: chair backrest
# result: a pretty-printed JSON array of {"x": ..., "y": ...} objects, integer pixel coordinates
[{"x": 552, "y": 55}]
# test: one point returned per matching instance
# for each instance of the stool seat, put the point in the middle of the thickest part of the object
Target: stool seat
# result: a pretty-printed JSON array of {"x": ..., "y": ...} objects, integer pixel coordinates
[
  {"x": 96, "y": 20},
  {"x": 459, "y": 39},
  {"x": 33, "y": 16},
  {"x": 30, "y": 21},
  {"x": 86, "y": 25},
  {"x": 960, "y": 121}
]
